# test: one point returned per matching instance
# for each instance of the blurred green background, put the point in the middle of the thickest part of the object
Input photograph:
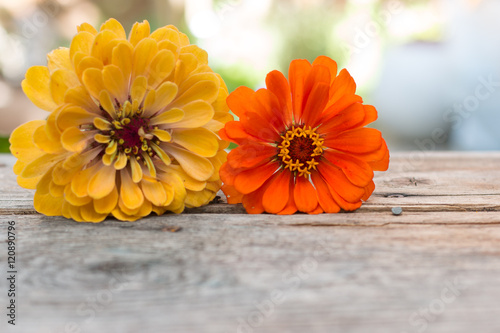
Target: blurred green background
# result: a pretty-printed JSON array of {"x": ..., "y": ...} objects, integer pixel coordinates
[{"x": 414, "y": 60}]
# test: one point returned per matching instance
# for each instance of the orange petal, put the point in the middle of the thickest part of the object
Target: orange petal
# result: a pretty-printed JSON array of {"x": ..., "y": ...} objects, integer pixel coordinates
[
  {"x": 344, "y": 204},
  {"x": 234, "y": 132},
  {"x": 238, "y": 100},
  {"x": 276, "y": 195},
  {"x": 346, "y": 119},
  {"x": 339, "y": 182},
  {"x": 332, "y": 109},
  {"x": 358, "y": 172},
  {"x": 305, "y": 195},
  {"x": 317, "y": 74},
  {"x": 368, "y": 190},
  {"x": 250, "y": 180},
  {"x": 290, "y": 207},
  {"x": 227, "y": 174},
  {"x": 253, "y": 202},
  {"x": 267, "y": 105},
  {"x": 328, "y": 63},
  {"x": 361, "y": 140},
  {"x": 278, "y": 85},
  {"x": 258, "y": 126},
  {"x": 297, "y": 73},
  {"x": 383, "y": 163},
  {"x": 342, "y": 85},
  {"x": 250, "y": 155},
  {"x": 325, "y": 198},
  {"x": 233, "y": 196},
  {"x": 316, "y": 102},
  {"x": 370, "y": 114}
]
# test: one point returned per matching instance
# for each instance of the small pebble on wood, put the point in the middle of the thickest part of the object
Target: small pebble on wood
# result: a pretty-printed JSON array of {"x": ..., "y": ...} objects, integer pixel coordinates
[{"x": 397, "y": 210}]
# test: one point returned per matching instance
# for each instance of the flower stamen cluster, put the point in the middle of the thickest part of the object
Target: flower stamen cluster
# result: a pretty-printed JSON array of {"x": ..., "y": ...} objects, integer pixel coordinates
[{"x": 299, "y": 150}]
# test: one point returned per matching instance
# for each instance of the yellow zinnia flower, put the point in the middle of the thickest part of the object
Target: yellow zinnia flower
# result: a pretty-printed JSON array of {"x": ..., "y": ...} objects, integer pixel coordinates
[{"x": 131, "y": 129}]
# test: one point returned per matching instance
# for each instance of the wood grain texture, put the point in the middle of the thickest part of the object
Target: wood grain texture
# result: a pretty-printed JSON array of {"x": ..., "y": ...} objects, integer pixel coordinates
[{"x": 435, "y": 268}]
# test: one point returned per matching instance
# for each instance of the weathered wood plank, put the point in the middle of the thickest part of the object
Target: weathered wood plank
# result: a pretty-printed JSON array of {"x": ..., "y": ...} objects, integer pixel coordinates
[
  {"x": 219, "y": 270},
  {"x": 434, "y": 268}
]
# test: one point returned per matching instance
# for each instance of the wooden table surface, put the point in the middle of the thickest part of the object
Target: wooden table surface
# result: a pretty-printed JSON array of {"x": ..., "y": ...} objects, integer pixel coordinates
[{"x": 434, "y": 268}]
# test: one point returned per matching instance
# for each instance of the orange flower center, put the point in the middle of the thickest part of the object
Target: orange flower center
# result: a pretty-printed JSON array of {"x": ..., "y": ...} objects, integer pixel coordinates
[{"x": 300, "y": 150}]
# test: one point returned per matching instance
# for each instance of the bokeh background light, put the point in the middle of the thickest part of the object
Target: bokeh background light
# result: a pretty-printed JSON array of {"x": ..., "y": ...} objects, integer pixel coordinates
[{"x": 431, "y": 67}]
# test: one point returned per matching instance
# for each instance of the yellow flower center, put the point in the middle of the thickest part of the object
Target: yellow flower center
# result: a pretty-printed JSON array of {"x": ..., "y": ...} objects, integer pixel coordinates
[
  {"x": 130, "y": 136},
  {"x": 300, "y": 150}
]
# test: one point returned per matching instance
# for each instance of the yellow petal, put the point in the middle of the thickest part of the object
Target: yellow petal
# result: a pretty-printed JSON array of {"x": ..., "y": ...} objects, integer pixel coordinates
[
  {"x": 43, "y": 142},
  {"x": 122, "y": 58},
  {"x": 90, "y": 215},
  {"x": 56, "y": 190},
  {"x": 162, "y": 135},
  {"x": 189, "y": 182},
  {"x": 47, "y": 204},
  {"x": 199, "y": 198},
  {"x": 59, "y": 59},
  {"x": 161, "y": 67},
  {"x": 102, "y": 46},
  {"x": 60, "y": 81},
  {"x": 196, "y": 114},
  {"x": 102, "y": 124},
  {"x": 79, "y": 96},
  {"x": 162, "y": 97},
  {"x": 121, "y": 161},
  {"x": 108, "y": 203},
  {"x": 74, "y": 212},
  {"x": 143, "y": 54},
  {"x": 136, "y": 170},
  {"x": 86, "y": 27},
  {"x": 63, "y": 176},
  {"x": 130, "y": 193},
  {"x": 154, "y": 191},
  {"x": 82, "y": 42},
  {"x": 102, "y": 183},
  {"x": 36, "y": 86},
  {"x": 73, "y": 199},
  {"x": 115, "y": 26},
  {"x": 40, "y": 165},
  {"x": 78, "y": 160},
  {"x": 87, "y": 62},
  {"x": 74, "y": 140},
  {"x": 166, "y": 33},
  {"x": 80, "y": 182},
  {"x": 43, "y": 186},
  {"x": 198, "y": 140},
  {"x": 205, "y": 90},
  {"x": 92, "y": 79},
  {"x": 139, "y": 32},
  {"x": 53, "y": 131},
  {"x": 167, "y": 117},
  {"x": 21, "y": 141},
  {"x": 186, "y": 64},
  {"x": 74, "y": 116},
  {"x": 200, "y": 54},
  {"x": 169, "y": 45},
  {"x": 138, "y": 89},
  {"x": 175, "y": 190},
  {"x": 161, "y": 154},
  {"x": 194, "y": 165},
  {"x": 199, "y": 77},
  {"x": 115, "y": 83},
  {"x": 107, "y": 103},
  {"x": 149, "y": 101}
]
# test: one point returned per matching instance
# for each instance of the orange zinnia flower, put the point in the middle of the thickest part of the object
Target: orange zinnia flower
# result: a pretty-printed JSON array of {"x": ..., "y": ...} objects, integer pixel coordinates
[{"x": 302, "y": 143}]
